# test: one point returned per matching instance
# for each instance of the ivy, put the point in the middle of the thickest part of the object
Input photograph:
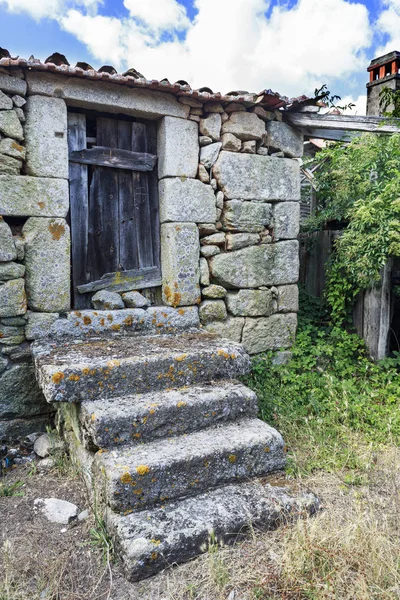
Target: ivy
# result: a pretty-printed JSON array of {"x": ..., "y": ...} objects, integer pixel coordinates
[{"x": 360, "y": 184}]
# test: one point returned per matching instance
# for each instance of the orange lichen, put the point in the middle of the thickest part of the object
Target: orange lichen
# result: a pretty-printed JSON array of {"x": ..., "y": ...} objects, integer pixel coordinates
[
  {"x": 93, "y": 417},
  {"x": 113, "y": 363},
  {"x": 181, "y": 358},
  {"x": 85, "y": 371},
  {"x": 115, "y": 327},
  {"x": 267, "y": 449},
  {"x": 110, "y": 318},
  {"x": 173, "y": 298},
  {"x": 87, "y": 320},
  {"x": 41, "y": 205},
  {"x": 232, "y": 458},
  {"x": 152, "y": 411},
  {"x": 138, "y": 492},
  {"x": 126, "y": 478},
  {"x": 142, "y": 469},
  {"x": 78, "y": 314},
  {"x": 223, "y": 353},
  {"x": 128, "y": 321},
  {"x": 156, "y": 542},
  {"x": 57, "y": 378},
  {"x": 181, "y": 311},
  {"x": 102, "y": 321},
  {"x": 154, "y": 555},
  {"x": 137, "y": 435},
  {"x": 74, "y": 378},
  {"x": 57, "y": 230},
  {"x": 181, "y": 403}
]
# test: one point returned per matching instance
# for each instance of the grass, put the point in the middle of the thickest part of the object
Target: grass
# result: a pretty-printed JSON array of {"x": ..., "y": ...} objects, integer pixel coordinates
[{"x": 11, "y": 489}]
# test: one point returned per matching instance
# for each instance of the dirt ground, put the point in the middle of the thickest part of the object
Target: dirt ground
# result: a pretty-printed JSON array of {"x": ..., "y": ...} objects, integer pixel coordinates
[{"x": 44, "y": 561}]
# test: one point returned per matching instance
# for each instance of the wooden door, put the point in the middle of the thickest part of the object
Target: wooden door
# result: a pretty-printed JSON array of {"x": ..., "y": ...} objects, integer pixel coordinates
[{"x": 115, "y": 229}]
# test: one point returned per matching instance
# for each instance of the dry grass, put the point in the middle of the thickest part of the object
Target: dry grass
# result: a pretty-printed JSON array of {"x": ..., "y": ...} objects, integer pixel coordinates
[{"x": 349, "y": 551}]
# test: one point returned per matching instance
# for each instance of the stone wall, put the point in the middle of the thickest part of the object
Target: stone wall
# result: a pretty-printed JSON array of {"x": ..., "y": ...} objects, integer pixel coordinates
[
  {"x": 243, "y": 198},
  {"x": 229, "y": 190}
]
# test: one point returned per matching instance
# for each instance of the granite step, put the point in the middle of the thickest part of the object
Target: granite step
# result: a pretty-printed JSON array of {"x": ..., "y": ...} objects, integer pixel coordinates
[
  {"x": 139, "y": 477},
  {"x": 135, "y": 419},
  {"x": 152, "y": 540},
  {"x": 79, "y": 370}
]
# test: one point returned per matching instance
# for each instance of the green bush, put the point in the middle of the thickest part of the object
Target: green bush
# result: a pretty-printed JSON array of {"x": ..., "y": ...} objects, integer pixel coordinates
[{"x": 330, "y": 399}]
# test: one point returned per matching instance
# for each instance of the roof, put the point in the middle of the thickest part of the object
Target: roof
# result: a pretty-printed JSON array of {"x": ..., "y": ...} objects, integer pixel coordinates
[
  {"x": 383, "y": 60},
  {"x": 57, "y": 63}
]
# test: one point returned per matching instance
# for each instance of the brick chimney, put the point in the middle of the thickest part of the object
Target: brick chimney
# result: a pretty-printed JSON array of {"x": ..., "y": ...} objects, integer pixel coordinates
[{"x": 384, "y": 71}]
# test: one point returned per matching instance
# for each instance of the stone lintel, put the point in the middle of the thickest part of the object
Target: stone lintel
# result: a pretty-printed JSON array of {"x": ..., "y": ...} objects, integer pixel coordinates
[{"x": 106, "y": 96}]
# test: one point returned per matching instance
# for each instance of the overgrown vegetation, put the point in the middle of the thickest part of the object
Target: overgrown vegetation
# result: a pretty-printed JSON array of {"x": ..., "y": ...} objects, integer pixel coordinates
[
  {"x": 359, "y": 183},
  {"x": 333, "y": 405}
]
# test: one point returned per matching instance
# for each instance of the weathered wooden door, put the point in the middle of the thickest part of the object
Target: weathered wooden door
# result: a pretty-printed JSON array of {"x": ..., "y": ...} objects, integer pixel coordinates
[{"x": 114, "y": 205}]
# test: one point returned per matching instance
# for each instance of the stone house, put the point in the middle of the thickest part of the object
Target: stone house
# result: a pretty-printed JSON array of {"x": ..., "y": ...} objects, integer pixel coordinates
[{"x": 112, "y": 184}]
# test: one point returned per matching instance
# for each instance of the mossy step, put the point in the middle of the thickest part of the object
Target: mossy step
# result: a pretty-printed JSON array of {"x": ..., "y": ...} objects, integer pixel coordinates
[
  {"x": 139, "y": 477},
  {"x": 139, "y": 418},
  {"x": 152, "y": 540},
  {"x": 79, "y": 370}
]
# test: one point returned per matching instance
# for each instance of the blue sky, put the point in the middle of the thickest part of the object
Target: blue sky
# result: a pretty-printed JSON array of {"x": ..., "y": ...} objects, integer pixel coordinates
[{"x": 290, "y": 46}]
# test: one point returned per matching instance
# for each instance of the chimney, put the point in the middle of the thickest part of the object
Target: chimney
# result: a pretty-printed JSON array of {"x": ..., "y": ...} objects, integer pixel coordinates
[{"x": 384, "y": 71}]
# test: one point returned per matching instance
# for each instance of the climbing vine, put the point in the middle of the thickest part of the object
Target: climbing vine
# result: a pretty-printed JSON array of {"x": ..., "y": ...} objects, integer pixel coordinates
[{"x": 359, "y": 183}]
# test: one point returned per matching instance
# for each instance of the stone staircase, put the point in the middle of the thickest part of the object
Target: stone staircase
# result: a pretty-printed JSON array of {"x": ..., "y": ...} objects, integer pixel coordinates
[{"x": 168, "y": 440}]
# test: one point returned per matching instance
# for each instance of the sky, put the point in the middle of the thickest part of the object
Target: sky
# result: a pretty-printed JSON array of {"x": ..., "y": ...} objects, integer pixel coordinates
[{"x": 289, "y": 46}]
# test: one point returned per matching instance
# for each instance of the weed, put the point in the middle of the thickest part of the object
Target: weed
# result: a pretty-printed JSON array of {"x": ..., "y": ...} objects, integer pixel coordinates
[
  {"x": 11, "y": 489},
  {"x": 217, "y": 563},
  {"x": 100, "y": 539}
]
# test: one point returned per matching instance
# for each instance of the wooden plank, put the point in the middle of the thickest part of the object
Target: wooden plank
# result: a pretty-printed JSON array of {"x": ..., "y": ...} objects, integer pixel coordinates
[
  {"x": 115, "y": 158},
  {"x": 342, "y": 122},
  {"x": 124, "y": 281},
  {"x": 142, "y": 217},
  {"x": 153, "y": 196},
  {"x": 128, "y": 246},
  {"x": 104, "y": 213},
  {"x": 78, "y": 188},
  {"x": 331, "y": 134}
]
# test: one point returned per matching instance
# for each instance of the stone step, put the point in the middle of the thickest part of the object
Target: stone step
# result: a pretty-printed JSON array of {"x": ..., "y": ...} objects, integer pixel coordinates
[
  {"x": 139, "y": 418},
  {"x": 135, "y": 478},
  {"x": 152, "y": 540},
  {"x": 79, "y": 370}
]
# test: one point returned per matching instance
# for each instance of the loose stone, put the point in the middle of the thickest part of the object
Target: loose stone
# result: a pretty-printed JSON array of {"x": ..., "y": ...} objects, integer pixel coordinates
[
  {"x": 18, "y": 101},
  {"x": 12, "y": 148},
  {"x": 265, "y": 115},
  {"x": 246, "y": 126},
  {"x": 206, "y": 229},
  {"x": 204, "y": 272},
  {"x": 104, "y": 300},
  {"x": 235, "y": 107},
  {"x": 217, "y": 239},
  {"x": 209, "y": 154},
  {"x": 249, "y": 147},
  {"x": 9, "y": 165},
  {"x": 11, "y": 270},
  {"x": 20, "y": 114},
  {"x": 231, "y": 142},
  {"x": 212, "y": 310},
  {"x": 213, "y": 291},
  {"x": 203, "y": 174},
  {"x": 208, "y": 251},
  {"x": 135, "y": 300},
  {"x": 56, "y": 510},
  {"x": 211, "y": 127},
  {"x": 204, "y": 140},
  {"x": 220, "y": 200},
  {"x": 5, "y": 102},
  {"x": 262, "y": 151},
  {"x": 12, "y": 298},
  {"x": 10, "y": 125},
  {"x": 46, "y": 444}
]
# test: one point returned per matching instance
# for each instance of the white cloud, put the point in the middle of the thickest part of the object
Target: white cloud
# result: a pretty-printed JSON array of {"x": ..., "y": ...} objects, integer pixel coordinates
[
  {"x": 360, "y": 102},
  {"x": 231, "y": 44},
  {"x": 158, "y": 14},
  {"x": 389, "y": 23},
  {"x": 52, "y": 9}
]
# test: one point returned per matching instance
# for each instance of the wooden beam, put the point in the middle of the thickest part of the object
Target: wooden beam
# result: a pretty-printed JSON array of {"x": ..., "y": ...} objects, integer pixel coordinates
[
  {"x": 330, "y": 134},
  {"x": 347, "y": 123},
  {"x": 124, "y": 281},
  {"x": 114, "y": 157}
]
